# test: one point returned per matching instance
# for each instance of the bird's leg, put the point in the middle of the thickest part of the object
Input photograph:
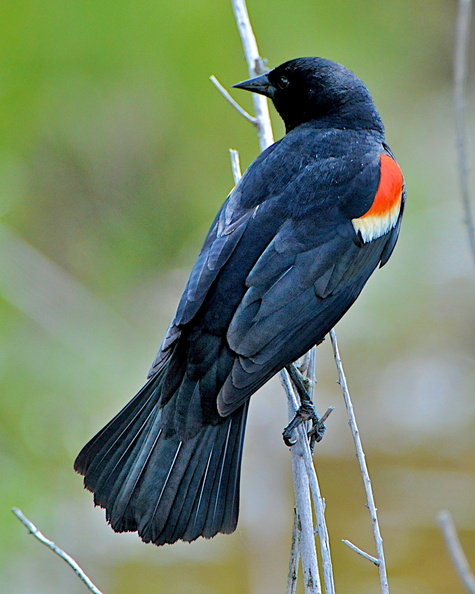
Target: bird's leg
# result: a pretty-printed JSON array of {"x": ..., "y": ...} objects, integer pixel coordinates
[{"x": 306, "y": 412}]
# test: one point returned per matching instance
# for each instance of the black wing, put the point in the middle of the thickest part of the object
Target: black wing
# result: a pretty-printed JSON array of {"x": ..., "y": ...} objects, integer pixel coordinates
[{"x": 223, "y": 237}]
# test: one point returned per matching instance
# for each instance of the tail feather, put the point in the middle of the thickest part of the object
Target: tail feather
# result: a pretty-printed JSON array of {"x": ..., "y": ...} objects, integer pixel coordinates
[
  {"x": 165, "y": 485},
  {"x": 118, "y": 468},
  {"x": 207, "y": 495},
  {"x": 128, "y": 478},
  {"x": 222, "y": 488},
  {"x": 123, "y": 456},
  {"x": 234, "y": 474},
  {"x": 121, "y": 428},
  {"x": 183, "y": 505}
]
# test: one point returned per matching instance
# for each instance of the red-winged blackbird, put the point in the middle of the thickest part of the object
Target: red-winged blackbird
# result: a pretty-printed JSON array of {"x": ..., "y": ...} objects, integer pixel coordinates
[{"x": 287, "y": 255}]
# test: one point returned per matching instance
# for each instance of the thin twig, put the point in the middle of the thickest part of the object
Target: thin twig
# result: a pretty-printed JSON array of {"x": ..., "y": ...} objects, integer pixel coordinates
[
  {"x": 256, "y": 66},
  {"x": 462, "y": 39},
  {"x": 232, "y": 101},
  {"x": 364, "y": 469},
  {"x": 292, "y": 578},
  {"x": 361, "y": 552},
  {"x": 456, "y": 552},
  {"x": 305, "y": 475},
  {"x": 303, "y": 503},
  {"x": 235, "y": 165},
  {"x": 318, "y": 501},
  {"x": 51, "y": 545},
  {"x": 326, "y": 414}
]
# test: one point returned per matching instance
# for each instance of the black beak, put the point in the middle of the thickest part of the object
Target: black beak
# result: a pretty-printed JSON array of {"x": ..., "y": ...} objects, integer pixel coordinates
[{"x": 259, "y": 84}]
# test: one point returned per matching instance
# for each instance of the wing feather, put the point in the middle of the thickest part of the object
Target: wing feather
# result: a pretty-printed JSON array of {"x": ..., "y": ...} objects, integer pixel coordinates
[{"x": 275, "y": 273}]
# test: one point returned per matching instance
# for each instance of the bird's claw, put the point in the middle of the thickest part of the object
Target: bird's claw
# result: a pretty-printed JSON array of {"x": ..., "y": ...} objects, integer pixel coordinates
[
  {"x": 289, "y": 442},
  {"x": 305, "y": 413}
]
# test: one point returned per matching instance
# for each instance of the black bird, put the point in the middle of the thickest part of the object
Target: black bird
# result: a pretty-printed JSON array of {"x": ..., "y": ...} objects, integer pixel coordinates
[{"x": 286, "y": 256}]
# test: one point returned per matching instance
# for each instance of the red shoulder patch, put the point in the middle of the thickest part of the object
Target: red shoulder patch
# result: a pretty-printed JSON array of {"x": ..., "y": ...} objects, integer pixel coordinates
[
  {"x": 389, "y": 190},
  {"x": 384, "y": 212}
]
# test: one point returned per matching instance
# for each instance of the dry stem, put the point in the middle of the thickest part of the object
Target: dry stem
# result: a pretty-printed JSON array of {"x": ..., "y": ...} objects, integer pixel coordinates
[
  {"x": 363, "y": 468},
  {"x": 454, "y": 547},
  {"x": 462, "y": 39},
  {"x": 53, "y": 547}
]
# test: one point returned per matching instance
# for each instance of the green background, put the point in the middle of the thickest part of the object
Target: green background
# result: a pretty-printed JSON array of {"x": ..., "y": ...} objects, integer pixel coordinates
[{"x": 113, "y": 161}]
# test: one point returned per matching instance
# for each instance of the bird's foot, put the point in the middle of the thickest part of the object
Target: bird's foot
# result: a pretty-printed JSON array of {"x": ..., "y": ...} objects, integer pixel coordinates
[
  {"x": 306, "y": 412},
  {"x": 302, "y": 384}
]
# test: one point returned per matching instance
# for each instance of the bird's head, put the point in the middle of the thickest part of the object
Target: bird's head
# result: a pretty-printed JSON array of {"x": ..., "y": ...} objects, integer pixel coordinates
[{"x": 308, "y": 89}]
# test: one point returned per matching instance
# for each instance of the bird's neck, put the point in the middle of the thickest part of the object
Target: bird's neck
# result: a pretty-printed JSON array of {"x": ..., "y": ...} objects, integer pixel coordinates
[{"x": 354, "y": 116}]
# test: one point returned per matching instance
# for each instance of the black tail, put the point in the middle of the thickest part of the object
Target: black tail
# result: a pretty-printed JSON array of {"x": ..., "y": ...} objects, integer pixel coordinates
[{"x": 165, "y": 487}]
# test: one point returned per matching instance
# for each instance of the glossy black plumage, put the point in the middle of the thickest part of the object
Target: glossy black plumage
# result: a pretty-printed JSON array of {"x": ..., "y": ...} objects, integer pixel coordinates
[{"x": 281, "y": 264}]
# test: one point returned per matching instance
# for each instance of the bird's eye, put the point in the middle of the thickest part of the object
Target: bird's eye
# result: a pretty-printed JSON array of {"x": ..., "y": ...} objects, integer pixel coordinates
[{"x": 283, "y": 82}]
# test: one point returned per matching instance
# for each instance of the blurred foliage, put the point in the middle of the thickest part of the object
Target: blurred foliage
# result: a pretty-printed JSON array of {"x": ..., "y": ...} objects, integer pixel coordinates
[{"x": 113, "y": 161}]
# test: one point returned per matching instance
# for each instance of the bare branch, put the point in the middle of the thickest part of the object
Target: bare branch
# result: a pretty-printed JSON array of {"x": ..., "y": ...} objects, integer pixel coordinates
[
  {"x": 305, "y": 476},
  {"x": 256, "y": 66},
  {"x": 235, "y": 165},
  {"x": 326, "y": 414},
  {"x": 318, "y": 501},
  {"x": 462, "y": 38},
  {"x": 51, "y": 545},
  {"x": 361, "y": 552},
  {"x": 364, "y": 469},
  {"x": 303, "y": 503},
  {"x": 454, "y": 547},
  {"x": 232, "y": 101},
  {"x": 292, "y": 578}
]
